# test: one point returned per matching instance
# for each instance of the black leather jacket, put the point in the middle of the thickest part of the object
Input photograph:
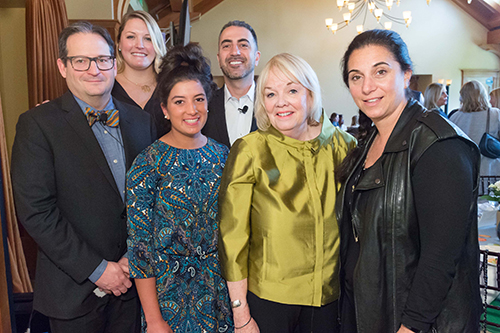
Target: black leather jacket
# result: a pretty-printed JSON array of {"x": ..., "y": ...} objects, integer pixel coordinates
[{"x": 389, "y": 242}]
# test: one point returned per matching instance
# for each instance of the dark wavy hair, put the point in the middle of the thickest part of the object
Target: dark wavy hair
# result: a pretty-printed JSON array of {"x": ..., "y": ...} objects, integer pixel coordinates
[
  {"x": 84, "y": 27},
  {"x": 184, "y": 63},
  {"x": 393, "y": 42}
]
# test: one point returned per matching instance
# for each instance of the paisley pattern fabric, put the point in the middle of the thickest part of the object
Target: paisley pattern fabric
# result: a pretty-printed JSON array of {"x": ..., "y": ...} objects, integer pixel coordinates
[{"x": 172, "y": 224}]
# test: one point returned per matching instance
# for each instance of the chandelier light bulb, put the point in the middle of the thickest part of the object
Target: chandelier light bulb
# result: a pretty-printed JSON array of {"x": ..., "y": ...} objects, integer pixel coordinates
[
  {"x": 378, "y": 13},
  {"x": 328, "y": 22},
  {"x": 371, "y": 6},
  {"x": 389, "y": 3},
  {"x": 388, "y": 25},
  {"x": 428, "y": 2},
  {"x": 351, "y": 6},
  {"x": 340, "y": 4},
  {"x": 334, "y": 28},
  {"x": 347, "y": 18},
  {"x": 359, "y": 28}
]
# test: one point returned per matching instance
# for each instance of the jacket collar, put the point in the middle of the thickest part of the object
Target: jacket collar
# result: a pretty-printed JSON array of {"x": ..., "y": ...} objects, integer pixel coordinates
[
  {"x": 400, "y": 136},
  {"x": 323, "y": 138}
]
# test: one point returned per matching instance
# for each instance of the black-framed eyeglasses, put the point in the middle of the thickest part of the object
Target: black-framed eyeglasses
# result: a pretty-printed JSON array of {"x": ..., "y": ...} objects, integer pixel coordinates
[{"x": 82, "y": 64}]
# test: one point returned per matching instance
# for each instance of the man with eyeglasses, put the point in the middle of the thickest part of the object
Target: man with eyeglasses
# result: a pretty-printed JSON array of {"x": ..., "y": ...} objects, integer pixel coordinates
[{"x": 69, "y": 161}]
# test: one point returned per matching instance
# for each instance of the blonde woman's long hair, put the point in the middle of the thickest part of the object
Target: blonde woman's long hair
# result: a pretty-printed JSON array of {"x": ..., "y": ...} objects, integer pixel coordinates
[
  {"x": 432, "y": 95},
  {"x": 473, "y": 97},
  {"x": 495, "y": 98}
]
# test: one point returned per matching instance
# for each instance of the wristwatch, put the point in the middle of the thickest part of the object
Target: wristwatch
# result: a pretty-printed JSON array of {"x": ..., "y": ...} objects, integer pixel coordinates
[{"x": 235, "y": 304}]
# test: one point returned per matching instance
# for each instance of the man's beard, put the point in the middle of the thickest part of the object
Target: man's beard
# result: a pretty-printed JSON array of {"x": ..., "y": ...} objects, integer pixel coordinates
[{"x": 227, "y": 73}]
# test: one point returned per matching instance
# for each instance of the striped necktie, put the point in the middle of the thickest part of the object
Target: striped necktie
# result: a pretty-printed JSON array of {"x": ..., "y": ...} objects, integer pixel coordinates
[{"x": 108, "y": 117}]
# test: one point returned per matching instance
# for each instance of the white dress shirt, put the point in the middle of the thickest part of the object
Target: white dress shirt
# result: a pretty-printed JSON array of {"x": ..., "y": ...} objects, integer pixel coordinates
[{"x": 238, "y": 123}]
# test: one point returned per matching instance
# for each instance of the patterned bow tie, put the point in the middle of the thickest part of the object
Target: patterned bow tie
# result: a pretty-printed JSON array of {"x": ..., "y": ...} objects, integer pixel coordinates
[{"x": 107, "y": 117}]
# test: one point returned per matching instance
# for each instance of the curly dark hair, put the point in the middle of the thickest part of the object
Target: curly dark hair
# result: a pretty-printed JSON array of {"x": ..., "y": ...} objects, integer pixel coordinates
[{"x": 184, "y": 63}]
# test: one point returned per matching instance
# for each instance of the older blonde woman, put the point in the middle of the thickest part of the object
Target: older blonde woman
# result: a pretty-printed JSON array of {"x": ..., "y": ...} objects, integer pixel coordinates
[
  {"x": 279, "y": 241},
  {"x": 472, "y": 118},
  {"x": 435, "y": 97},
  {"x": 140, "y": 49}
]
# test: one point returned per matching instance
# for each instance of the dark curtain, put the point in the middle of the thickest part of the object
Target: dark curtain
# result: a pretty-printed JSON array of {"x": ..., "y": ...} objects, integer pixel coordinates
[
  {"x": 19, "y": 271},
  {"x": 44, "y": 21}
]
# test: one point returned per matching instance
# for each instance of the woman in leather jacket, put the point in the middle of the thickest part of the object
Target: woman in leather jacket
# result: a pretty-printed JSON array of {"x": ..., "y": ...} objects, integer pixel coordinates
[{"x": 407, "y": 209}]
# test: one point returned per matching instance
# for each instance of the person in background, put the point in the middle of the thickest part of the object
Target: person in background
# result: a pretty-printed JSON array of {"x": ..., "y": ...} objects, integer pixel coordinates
[
  {"x": 495, "y": 98},
  {"x": 232, "y": 106},
  {"x": 141, "y": 47},
  {"x": 341, "y": 123},
  {"x": 472, "y": 117},
  {"x": 172, "y": 192},
  {"x": 410, "y": 254},
  {"x": 278, "y": 232},
  {"x": 435, "y": 97},
  {"x": 334, "y": 119},
  {"x": 354, "y": 128},
  {"x": 69, "y": 160}
]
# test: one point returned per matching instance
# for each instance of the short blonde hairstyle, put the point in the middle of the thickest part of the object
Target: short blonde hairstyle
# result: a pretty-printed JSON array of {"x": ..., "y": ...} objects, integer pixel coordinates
[
  {"x": 154, "y": 32},
  {"x": 432, "y": 95},
  {"x": 473, "y": 97},
  {"x": 296, "y": 70},
  {"x": 495, "y": 98}
]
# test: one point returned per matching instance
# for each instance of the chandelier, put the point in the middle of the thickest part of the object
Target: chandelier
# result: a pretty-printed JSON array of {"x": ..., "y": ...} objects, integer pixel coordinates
[{"x": 362, "y": 8}]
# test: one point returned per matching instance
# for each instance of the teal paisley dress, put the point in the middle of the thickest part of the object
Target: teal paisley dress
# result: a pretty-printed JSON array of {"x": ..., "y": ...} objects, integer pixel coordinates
[{"x": 173, "y": 230}]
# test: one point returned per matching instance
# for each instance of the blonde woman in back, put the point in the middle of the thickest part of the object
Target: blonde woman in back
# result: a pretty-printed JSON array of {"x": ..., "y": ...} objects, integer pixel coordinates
[
  {"x": 140, "y": 48},
  {"x": 435, "y": 97},
  {"x": 495, "y": 98},
  {"x": 472, "y": 117}
]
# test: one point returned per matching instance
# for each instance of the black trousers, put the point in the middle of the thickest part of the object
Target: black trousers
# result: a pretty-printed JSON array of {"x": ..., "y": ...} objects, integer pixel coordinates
[
  {"x": 113, "y": 315},
  {"x": 275, "y": 317}
]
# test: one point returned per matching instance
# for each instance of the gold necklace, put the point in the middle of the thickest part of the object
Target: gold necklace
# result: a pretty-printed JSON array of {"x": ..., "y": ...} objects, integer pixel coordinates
[{"x": 144, "y": 87}]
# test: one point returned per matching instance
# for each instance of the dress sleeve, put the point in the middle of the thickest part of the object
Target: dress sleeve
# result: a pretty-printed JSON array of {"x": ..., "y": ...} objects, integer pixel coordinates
[
  {"x": 235, "y": 201},
  {"x": 141, "y": 198},
  {"x": 443, "y": 182}
]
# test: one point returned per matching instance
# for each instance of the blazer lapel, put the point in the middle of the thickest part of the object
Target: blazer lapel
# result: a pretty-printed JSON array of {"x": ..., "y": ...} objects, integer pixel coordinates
[
  {"x": 78, "y": 122},
  {"x": 126, "y": 129},
  {"x": 221, "y": 121}
]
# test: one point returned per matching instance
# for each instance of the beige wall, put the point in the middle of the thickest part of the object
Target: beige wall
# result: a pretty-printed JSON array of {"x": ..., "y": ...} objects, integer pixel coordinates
[
  {"x": 13, "y": 72},
  {"x": 442, "y": 39},
  {"x": 89, "y": 9}
]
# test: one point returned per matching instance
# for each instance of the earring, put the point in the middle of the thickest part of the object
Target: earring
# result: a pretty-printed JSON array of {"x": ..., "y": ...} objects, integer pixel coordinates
[
  {"x": 208, "y": 110},
  {"x": 119, "y": 50}
]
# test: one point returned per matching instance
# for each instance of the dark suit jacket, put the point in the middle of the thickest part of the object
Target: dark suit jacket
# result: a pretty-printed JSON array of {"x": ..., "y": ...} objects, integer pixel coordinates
[
  {"x": 216, "y": 127},
  {"x": 68, "y": 201}
]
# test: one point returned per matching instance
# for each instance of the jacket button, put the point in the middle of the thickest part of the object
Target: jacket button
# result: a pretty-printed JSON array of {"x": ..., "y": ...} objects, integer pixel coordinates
[
  {"x": 404, "y": 143},
  {"x": 377, "y": 181}
]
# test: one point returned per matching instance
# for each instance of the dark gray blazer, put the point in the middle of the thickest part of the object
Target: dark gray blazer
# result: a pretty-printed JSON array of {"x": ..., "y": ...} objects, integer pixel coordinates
[
  {"x": 68, "y": 201},
  {"x": 216, "y": 127}
]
